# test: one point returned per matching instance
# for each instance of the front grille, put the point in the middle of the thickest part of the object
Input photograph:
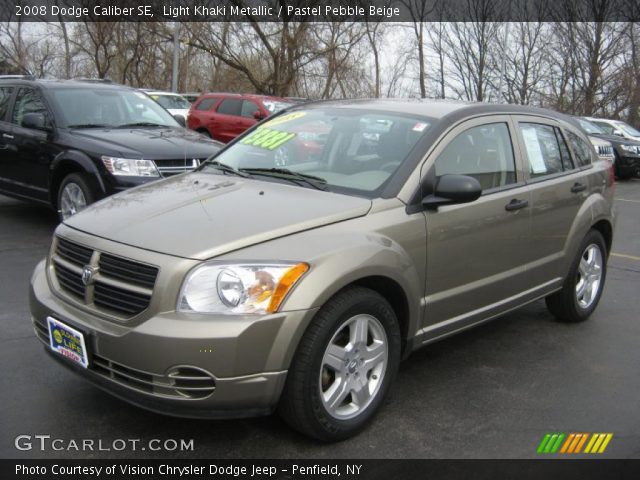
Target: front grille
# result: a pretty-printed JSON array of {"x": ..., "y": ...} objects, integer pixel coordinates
[
  {"x": 605, "y": 150},
  {"x": 70, "y": 281},
  {"x": 119, "y": 299},
  {"x": 128, "y": 270},
  {"x": 168, "y": 168},
  {"x": 73, "y": 252},
  {"x": 120, "y": 286}
]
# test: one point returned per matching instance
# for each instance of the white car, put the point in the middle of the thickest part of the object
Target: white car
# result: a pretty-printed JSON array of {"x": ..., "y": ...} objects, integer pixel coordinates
[
  {"x": 174, "y": 103},
  {"x": 616, "y": 127}
]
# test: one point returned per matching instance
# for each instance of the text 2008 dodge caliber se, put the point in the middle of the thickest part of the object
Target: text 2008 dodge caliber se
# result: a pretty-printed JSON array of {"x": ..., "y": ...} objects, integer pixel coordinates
[{"x": 295, "y": 269}]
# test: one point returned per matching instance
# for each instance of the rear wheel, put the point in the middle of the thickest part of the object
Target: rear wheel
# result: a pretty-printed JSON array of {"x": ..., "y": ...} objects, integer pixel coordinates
[
  {"x": 344, "y": 366},
  {"x": 583, "y": 287},
  {"x": 74, "y": 195}
]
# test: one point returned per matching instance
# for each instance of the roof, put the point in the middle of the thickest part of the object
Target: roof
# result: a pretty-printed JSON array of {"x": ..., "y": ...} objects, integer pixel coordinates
[{"x": 435, "y": 108}]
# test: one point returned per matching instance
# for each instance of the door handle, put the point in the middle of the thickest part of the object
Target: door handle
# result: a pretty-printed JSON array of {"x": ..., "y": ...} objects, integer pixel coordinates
[
  {"x": 578, "y": 187},
  {"x": 516, "y": 204},
  {"x": 6, "y": 135}
]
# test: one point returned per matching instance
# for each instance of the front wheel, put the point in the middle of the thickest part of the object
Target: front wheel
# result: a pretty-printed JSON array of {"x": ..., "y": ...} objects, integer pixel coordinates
[
  {"x": 344, "y": 366},
  {"x": 582, "y": 289},
  {"x": 74, "y": 195}
]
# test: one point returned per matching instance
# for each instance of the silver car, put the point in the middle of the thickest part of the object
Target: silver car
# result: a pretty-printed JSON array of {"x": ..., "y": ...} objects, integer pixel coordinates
[{"x": 296, "y": 268}]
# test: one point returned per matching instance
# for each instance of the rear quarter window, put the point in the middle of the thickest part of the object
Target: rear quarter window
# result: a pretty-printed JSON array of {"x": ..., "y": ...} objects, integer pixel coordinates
[
  {"x": 5, "y": 97},
  {"x": 581, "y": 150}
]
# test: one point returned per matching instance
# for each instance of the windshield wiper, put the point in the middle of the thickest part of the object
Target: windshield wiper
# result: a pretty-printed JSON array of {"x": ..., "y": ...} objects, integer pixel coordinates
[
  {"x": 90, "y": 125},
  {"x": 141, "y": 124},
  {"x": 223, "y": 167},
  {"x": 286, "y": 174}
]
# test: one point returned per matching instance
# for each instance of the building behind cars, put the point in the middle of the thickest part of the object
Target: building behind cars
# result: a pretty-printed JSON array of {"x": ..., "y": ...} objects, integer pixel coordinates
[
  {"x": 69, "y": 143},
  {"x": 224, "y": 116}
]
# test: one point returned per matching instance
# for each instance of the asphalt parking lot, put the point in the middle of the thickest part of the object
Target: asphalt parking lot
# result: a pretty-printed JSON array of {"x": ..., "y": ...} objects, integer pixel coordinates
[{"x": 492, "y": 392}]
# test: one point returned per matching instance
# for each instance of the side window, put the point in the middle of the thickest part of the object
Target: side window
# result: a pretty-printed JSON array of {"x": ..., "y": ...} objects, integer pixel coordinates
[
  {"x": 249, "y": 107},
  {"x": 580, "y": 148},
  {"x": 5, "y": 97},
  {"x": 28, "y": 101},
  {"x": 206, "y": 104},
  {"x": 484, "y": 152},
  {"x": 567, "y": 163},
  {"x": 546, "y": 150},
  {"x": 230, "y": 106}
]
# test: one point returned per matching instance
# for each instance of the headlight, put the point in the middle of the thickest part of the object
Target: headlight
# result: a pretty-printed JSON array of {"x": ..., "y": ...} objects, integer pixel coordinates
[
  {"x": 238, "y": 289},
  {"x": 629, "y": 148},
  {"x": 130, "y": 166}
]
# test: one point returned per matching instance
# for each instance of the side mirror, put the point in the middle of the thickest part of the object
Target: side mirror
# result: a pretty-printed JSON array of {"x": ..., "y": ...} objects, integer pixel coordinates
[
  {"x": 36, "y": 121},
  {"x": 180, "y": 119},
  {"x": 258, "y": 115},
  {"x": 453, "y": 189},
  {"x": 618, "y": 133}
]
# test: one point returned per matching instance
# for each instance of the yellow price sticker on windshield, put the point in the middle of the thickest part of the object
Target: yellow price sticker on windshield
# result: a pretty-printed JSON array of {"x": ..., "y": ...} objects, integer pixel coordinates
[
  {"x": 285, "y": 118},
  {"x": 267, "y": 138}
]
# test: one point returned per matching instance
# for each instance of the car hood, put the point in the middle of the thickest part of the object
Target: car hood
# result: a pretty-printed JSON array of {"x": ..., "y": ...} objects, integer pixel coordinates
[
  {"x": 616, "y": 140},
  {"x": 201, "y": 215},
  {"x": 150, "y": 142}
]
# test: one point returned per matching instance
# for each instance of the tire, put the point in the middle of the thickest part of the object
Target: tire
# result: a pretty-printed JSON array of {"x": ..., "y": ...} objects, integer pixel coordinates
[
  {"x": 205, "y": 133},
  {"x": 74, "y": 195},
  {"x": 365, "y": 373},
  {"x": 582, "y": 288}
]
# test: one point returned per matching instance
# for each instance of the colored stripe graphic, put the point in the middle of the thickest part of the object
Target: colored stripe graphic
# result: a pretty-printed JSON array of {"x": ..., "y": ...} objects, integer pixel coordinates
[
  {"x": 598, "y": 443},
  {"x": 572, "y": 443},
  {"x": 550, "y": 443}
]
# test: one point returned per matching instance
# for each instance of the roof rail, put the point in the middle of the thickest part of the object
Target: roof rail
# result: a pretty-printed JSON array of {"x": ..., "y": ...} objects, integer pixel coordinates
[
  {"x": 17, "y": 77},
  {"x": 93, "y": 80}
]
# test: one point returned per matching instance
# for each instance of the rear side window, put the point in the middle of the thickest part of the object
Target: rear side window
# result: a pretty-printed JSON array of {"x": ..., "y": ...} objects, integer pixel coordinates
[
  {"x": 580, "y": 148},
  {"x": 484, "y": 152},
  {"x": 206, "y": 104},
  {"x": 546, "y": 149},
  {"x": 230, "y": 106},
  {"x": 249, "y": 108},
  {"x": 5, "y": 96},
  {"x": 28, "y": 101}
]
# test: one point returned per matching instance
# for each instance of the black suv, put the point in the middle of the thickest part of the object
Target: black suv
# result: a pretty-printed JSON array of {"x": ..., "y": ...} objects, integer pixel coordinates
[
  {"x": 627, "y": 152},
  {"x": 69, "y": 143}
]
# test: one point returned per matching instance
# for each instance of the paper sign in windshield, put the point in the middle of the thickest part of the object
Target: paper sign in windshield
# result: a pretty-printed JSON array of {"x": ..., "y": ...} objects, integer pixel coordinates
[{"x": 267, "y": 138}]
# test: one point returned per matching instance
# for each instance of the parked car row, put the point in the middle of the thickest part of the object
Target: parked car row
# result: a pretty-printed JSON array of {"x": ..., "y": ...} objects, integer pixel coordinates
[{"x": 622, "y": 149}]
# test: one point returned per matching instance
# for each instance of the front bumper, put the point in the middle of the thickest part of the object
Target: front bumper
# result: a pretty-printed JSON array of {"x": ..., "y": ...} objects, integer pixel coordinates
[{"x": 226, "y": 367}]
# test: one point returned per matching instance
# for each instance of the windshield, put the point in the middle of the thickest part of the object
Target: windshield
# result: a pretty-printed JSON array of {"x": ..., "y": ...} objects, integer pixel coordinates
[
  {"x": 108, "y": 107},
  {"x": 628, "y": 129},
  {"x": 275, "y": 106},
  {"x": 171, "y": 101},
  {"x": 590, "y": 127},
  {"x": 350, "y": 151}
]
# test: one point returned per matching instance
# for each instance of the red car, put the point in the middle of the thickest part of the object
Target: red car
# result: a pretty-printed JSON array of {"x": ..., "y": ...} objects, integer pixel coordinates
[{"x": 224, "y": 116}]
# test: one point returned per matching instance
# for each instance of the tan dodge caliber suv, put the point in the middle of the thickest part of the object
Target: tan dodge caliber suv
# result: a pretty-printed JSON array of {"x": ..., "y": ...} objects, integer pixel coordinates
[{"x": 297, "y": 267}]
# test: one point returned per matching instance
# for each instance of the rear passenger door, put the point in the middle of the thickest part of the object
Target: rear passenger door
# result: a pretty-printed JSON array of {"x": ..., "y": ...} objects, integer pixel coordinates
[
  {"x": 559, "y": 188},
  {"x": 476, "y": 252}
]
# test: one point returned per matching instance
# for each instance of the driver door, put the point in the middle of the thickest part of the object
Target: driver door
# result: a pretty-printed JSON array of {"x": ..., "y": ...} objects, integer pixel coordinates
[{"x": 476, "y": 252}]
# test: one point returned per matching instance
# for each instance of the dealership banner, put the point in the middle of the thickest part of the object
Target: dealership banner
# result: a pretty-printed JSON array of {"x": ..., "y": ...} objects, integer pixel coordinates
[
  {"x": 317, "y": 10},
  {"x": 319, "y": 469}
]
